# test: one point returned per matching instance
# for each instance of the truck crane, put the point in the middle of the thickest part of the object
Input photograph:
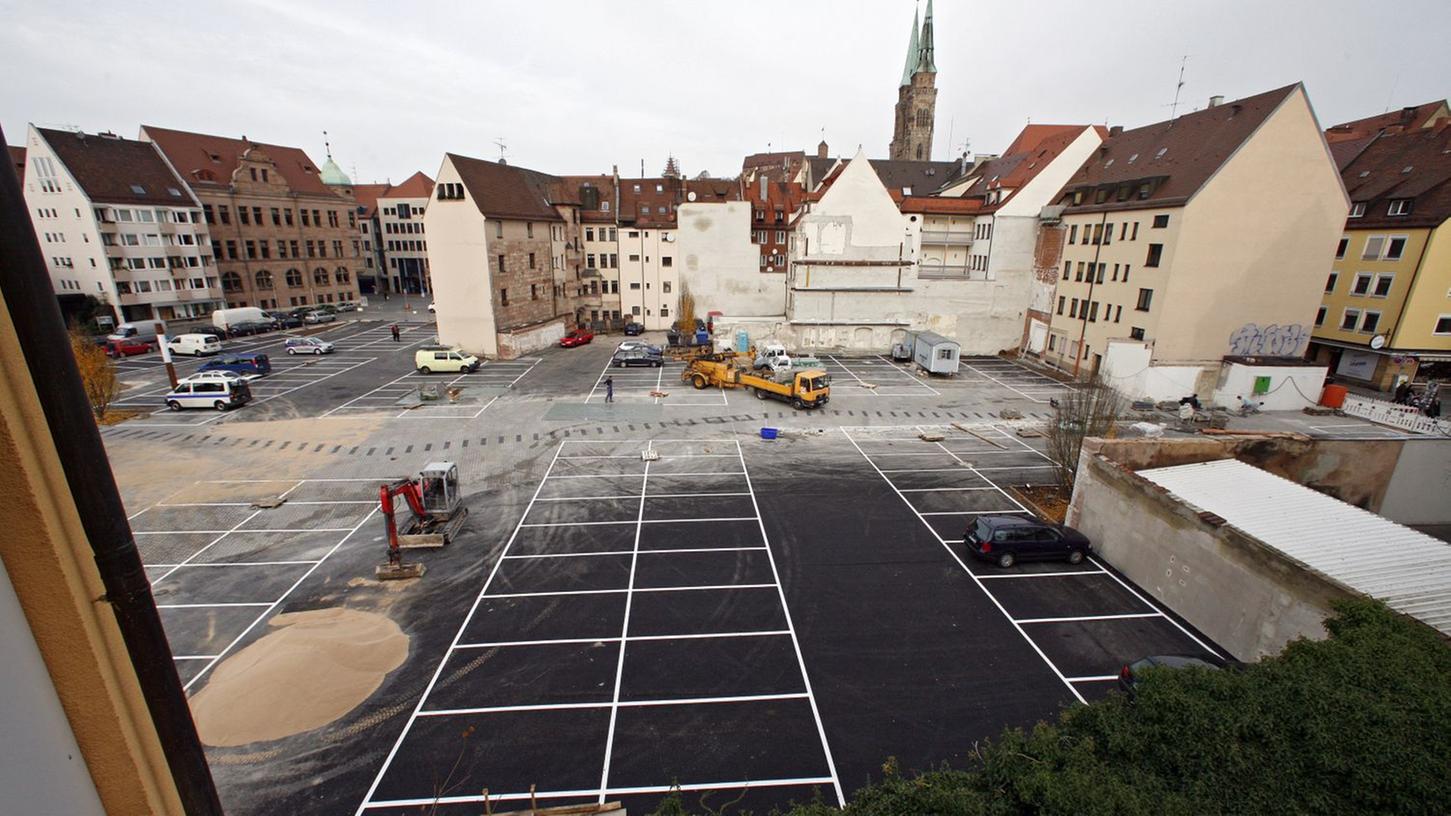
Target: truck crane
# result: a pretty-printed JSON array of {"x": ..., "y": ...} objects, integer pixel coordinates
[{"x": 433, "y": 499}]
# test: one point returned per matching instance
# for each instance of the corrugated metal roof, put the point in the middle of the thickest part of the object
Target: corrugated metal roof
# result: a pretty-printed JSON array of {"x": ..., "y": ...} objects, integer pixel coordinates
[{"x": 1408, "y": 570}]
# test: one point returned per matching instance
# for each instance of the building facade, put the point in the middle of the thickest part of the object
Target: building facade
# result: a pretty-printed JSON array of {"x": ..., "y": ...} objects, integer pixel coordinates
[
  {"x": 1195, "y": 239},
  {"x": 916, "y": 109},
  {"x": 282, "y": 235},
  {"x": 115, "y": 223},
  {"x": 401, "y": 237},
  {"x": 1386, "y": 311}
]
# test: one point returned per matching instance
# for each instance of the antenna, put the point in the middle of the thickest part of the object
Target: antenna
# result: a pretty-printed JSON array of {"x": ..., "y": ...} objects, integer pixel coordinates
[
  {"x": 951, "y": 121},
  {"x": 503, "y": 148},
  {"x": 327, "y": 148},
  {"x": 1174, "y": 107}
]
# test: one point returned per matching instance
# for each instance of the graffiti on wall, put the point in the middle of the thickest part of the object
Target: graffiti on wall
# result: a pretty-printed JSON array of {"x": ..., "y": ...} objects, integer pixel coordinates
[{"x": 1273, "y": 340}]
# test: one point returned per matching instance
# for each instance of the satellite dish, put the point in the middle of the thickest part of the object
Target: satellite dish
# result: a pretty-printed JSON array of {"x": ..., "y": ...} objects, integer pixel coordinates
[
  {"x": 690, "y": 196},
  {"x": 1378, "y": 342}
]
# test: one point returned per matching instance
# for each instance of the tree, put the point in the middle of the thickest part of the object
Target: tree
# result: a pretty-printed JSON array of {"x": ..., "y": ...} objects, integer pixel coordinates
[
  {"x": 685, "y": 322},
  {"x": 1089, "y": 409},
  {"x": 98, "y": 373}
]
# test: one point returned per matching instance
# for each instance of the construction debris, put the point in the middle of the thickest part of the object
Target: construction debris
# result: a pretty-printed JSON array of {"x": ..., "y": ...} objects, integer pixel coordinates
[
  {"x": 1029, "y": 433},
  {"x": 659, "y": 393},
  {"x": 453, "y": 393},
  {"x": 650, "y": 455},
  {"x": 269, "y": 503},
  {"x": 867, "y": 385},
  {"x": 1008, "y": 413},
  {"x": 930, "y": 437}
]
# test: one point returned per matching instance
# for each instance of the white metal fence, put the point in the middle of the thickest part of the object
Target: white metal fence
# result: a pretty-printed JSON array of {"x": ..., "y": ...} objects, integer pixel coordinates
[{"x": 1389, "y": 413}]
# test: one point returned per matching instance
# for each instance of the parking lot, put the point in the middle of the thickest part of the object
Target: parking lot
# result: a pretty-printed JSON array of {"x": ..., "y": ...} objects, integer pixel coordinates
[
  {"x": 461, "y": 395},
  {"x": 646, "y": 385}
]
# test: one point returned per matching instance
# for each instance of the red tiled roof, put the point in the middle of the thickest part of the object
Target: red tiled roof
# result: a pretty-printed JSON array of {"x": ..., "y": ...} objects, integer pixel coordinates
[
  {"x": 506, "y": 191},
  {"x": 576, "y": 188},
  {"x": 1034, "y": 135},
  {"x": 670, "y": 194},
  {"x": 707, "y": 190},
  {"x": 933, "y": 205},
  {"x": 1415, "y": 165},
  {"x": 368, "y": 195},
  {"x": 418, "y": 185},
  {"x": 1408, "y": 118},
  {"x": 112, "y": 170},
  {"x": 1176, "y": 157},
  {"x": 17, "y": 158},
  {"x": 207, "y": 161}
]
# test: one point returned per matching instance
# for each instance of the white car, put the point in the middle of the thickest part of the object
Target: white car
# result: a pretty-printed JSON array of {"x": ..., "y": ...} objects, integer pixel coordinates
[
  {"x": 308, "y": 345},
  {"x": 432, "y": 307},
  {"x": 318, "y": 317},
  {"x": 214, "y": 376},
  {"x": 636, "y": 345}
]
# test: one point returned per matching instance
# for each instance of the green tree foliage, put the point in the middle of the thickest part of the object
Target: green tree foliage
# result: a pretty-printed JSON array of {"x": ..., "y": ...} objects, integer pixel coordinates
[{"x": 1358, "y": 723}]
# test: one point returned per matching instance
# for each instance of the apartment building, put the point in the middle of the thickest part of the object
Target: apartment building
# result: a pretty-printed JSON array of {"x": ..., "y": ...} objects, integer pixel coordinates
[
  {"x": 282, "y": 235},
  {"x": 1386, "y": 311},
  {"x": 598, "y": 293},
  {"x": 494, "y": 233},
  {"x": 117, "y": 224},
  {"x": 774, "y": 204},
  {"x": 1194, "y": 239}
]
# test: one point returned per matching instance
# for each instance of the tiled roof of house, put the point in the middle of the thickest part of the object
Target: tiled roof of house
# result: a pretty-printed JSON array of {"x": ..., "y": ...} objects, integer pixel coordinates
[
  {"x": 418, "y": 185},
  {"x": 1408, "y": 118},
  {"x": 207, "y": 161},
  {"x": 653, "y": 203},
  {"x": 595, "y": 196},
  {"x": 778, "y": 195},
  {"x": 1414, "y": 165},
  {"x": 779, "y": 166},
  {"x": 818, "y": 168},
  {"x": 112, "y": 170},
  {"x": 941, "y": 205},
  {"x": 506, "y": 191},
  {"x": 367, "y": 196},
  {"x": 1175, "y": 158},
  {"x": 1033, "y": 135},
  {"x": 905, "y": 178},
  {"x": 17, "y": 158},
  {"x": 708, "y": 190}
]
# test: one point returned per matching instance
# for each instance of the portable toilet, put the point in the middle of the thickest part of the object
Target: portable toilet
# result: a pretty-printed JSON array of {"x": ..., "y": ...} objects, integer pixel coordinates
[
  {"x": 743, "y": 341},
  {"x": 935, "y": 353}
]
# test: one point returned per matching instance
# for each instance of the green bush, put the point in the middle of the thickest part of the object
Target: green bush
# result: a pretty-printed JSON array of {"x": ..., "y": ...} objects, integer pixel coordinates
[{"x": 1359, "y": 723}]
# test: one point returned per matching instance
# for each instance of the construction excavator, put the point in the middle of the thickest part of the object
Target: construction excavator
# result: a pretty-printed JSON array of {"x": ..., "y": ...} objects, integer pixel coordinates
[{"x": 438, "y": 513}]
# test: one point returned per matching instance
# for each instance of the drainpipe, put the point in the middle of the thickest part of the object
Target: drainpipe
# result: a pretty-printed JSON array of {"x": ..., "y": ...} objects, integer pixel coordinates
[
  {"x": 1092, "y": 280},
  {"x": 36, "y": 314}
]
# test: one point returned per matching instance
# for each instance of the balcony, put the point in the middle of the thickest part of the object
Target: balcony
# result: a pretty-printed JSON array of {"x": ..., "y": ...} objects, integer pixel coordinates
[
  {"x": 941, "y": 271},
  {"x": 953, "y": 237}
]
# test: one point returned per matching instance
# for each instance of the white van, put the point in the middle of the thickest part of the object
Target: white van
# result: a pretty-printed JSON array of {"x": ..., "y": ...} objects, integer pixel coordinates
[
  {"x": 225, "y": 319},
  {"x": 217, "y": 394},
  {"x": 142, "y": 330},
  {"x": 194, "y": 345},
  {"x": 444, "y": 358}
]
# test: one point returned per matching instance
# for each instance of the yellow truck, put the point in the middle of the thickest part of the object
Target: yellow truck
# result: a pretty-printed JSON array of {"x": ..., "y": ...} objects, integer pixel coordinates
[{"x": 802, "y": 387}]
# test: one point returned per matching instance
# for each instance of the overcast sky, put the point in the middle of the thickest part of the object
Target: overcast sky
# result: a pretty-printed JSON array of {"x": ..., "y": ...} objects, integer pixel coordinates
[{"x": 575, "y": 87}]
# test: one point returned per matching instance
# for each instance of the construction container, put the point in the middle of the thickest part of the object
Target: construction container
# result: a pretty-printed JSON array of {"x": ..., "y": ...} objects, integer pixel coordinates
[
  {"x": 1334, "y": 396},
  {"x": 743, "y": 341},
  {"x": 934, "y": 353},
  {"x": 768, "y": 433}
]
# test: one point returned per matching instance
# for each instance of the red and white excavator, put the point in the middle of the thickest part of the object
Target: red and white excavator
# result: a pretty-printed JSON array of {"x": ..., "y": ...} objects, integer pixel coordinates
[{"x": 433, "y": 499}]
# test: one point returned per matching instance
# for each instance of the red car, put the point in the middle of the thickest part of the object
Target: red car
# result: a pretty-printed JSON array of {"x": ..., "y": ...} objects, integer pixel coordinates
[
  {"x": 578, "y": 337},
  {"x": 127, "y": 347}
]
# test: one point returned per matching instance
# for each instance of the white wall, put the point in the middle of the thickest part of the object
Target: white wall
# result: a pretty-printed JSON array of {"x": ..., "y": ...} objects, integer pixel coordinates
[
  {"x": 458, "y": 257},
  {"x": 721, "y": 265},
  {"x": 1291, "y": 387},
  {"x": 1126, "y": 366}
]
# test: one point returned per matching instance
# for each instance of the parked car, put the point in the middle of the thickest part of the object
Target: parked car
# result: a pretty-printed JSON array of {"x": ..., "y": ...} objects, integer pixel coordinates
[
  {"x": 249, "y": 367},
  {"x": 327, "y": 307},
  {"x": 213, "y": 376},
  {"x": 212, "y": 331},
  {"x": 243, "y": 328},
  {"x": 444, "y": 358},
  {"x": 347, "y": 306},
  {"x": 285, "y": 320},
  {"x": 318, "y": 316},
  {"x": 308, "y": 345},
  {"x": 636, "y": 345},
  {"x": 127, "y": 347},
  {"x": 633, "y": 329},
  {"x": 194, "y": 345},
  {"x": 140, "y": 330},
  {"x": 578, "y": 337},
  {"x": 1008, "y": 539},
  {"x": 208, "y": 393},
  {"x": 636, "y": 357},
  {"x": 1128, "y": 676}
]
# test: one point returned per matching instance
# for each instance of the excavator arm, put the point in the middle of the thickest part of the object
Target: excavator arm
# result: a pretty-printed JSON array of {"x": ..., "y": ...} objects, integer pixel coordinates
[{"x": 408, "y": 489}]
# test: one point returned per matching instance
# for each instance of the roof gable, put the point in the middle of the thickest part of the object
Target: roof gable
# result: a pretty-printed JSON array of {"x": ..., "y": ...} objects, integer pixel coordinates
[
  {"x": 505, "y": 191},
  {"x": 112, "y": 170},
  {"x": 209, "y": 161}
]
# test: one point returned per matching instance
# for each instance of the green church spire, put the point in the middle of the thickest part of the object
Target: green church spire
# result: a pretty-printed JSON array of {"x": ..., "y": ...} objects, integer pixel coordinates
[
  {"x": 914, "y": 55},
  {"x": 925, "y": 62}
]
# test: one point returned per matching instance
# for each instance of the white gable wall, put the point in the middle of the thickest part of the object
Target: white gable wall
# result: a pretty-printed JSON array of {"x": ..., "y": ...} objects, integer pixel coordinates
[{"x": 458, "y": 257}]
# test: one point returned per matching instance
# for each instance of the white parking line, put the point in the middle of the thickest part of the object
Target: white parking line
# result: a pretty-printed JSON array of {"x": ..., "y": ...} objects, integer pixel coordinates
[
  {"x": 578, "y": 794},
  {"x": 745, "y": 698},
  {"x": 581, "y": 641},
  {"x": 1075, "y": 618}
]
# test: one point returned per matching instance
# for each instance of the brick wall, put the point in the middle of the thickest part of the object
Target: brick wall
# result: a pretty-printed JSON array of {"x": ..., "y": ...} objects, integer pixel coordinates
[{"x": 517, "y": 277}]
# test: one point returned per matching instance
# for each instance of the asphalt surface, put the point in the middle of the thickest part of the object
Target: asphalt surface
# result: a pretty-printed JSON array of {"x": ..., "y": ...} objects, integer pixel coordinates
[{"x": 766, "y": 620}]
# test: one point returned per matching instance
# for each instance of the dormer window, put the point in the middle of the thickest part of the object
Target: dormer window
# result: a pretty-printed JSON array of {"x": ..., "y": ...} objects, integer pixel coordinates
[
  {"x": 138, "y": 189},
  {"x": 1399, "y": 206},
  {"x": 1106, "y": 164},
  {"x": 1161, "y": 152},
  {"x": 1357, "y": 209},
  {"x": 1133, "y": 158}
]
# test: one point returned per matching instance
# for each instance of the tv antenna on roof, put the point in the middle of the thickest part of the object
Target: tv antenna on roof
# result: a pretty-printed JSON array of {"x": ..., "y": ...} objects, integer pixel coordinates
[
  {"x": 1174, "y": 106},
  {"x": 503, "y": 148}
]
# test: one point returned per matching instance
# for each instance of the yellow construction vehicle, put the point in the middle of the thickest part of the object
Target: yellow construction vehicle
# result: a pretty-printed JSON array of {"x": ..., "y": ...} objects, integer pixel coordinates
[{"x": 802, "y": 387}]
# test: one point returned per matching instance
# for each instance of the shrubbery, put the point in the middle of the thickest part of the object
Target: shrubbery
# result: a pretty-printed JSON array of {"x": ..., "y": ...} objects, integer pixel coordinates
[{"x": 1359, "y": 723}]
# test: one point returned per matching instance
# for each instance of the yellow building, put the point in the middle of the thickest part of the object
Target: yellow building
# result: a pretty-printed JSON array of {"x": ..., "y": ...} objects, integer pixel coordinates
[{"x": 1386, "y": 312}]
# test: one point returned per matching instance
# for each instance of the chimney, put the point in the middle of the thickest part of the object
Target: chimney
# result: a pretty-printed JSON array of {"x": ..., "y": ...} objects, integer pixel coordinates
[
  {"x": 821, "y": 150},
  {"x": 763, "y": 188},
  {"x": 1215, "y": 101},
  {"x": 1115, "y": 130}
]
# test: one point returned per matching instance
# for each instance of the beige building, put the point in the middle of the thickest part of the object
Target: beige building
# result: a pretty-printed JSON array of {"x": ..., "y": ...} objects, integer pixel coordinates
[
  {"x": 401, "y": 236},
  {"x": 285, "y": 233},
  {"x": 1195, "y": 239}
]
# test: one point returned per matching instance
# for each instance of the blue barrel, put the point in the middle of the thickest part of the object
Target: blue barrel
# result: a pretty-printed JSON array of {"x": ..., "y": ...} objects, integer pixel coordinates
[
  {"x": 768, "y": 433},
  {"x": 743, "y": 341}
]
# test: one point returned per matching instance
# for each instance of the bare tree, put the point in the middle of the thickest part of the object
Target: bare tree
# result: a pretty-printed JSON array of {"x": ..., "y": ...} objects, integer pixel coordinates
[
  {"x": 1090, "y": 409},
  {"x": 685, "y": 322},
  {"x": 98, "y": 373}
]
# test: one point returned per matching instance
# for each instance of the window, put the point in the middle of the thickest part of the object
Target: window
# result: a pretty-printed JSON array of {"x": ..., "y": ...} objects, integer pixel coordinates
[
  {"x": 1357, "y": 209},
  {"x": 504, "y": 297},
  {"x": 589, "y": 261},
  {"x": 1349, "y": 319},
  {"x": 1161, "y": 221},
  {"x": 1340, "y": 248},
  {"x": 320, "y": 277},
  {"x": 666, "y": 260},
  {"x": 1399, "y": 206},
  {"x": 1115, "y": 271},
  {"x": 1443, "y": 325},
  {"x": 1093, "y": 312},
  {"x": 1362, "y": 284},
  {"x": 533, "y": 291},
  {"x": 1073, "y": 308},
  {"x": 664, "y": 311},
  {"x": 1061, "y": 300},
  {"x": 1135, "y": 236},
  {"x": 1101, "y": 268},
  {"x": 531, "y": 260},
  {"x": 1373, "y": 246},
  {"x": 1073, "y": 234},
  {"x": 1156, "y": 253},
  {"x": 1330, "y": 282},
  {"x": 1320, "y": 317},
  {"x": 1118, "y": 312},
  {"x": 223, "y": 213},
  {"x": 1136, "y": 333},
  {"x": 1146, "y": 298},
  {"x": 242, "y": 216},
  {"x": 1395, "y": 248},
  {"x": 1369, "y": 322},
  {"x": 528, "y": 229},
  {"x": 1383, "y": 285},
  {"x": 635, "y": 258},
  {"x": 501, "y": 262},
  {"x": 1067, "y": 269},
  {"x": 294, "y": 279},
  {"x": 263, "y": 278},
  {"x": 665, "y": 287},
  {"x": 635, "y": 287},
  {"x": 1078, "y": 275},
  {"x": 1097, "y": 234},
  {"x": 231, "y": 282}
]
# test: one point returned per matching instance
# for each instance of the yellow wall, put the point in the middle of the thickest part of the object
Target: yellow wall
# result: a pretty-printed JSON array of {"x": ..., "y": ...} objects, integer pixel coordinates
[
  {"x": 1354, "y": 265},
  {"x": 1430, "y": 297}
]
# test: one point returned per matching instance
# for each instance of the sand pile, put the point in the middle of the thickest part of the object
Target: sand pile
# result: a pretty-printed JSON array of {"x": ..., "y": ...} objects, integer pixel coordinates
[{"x": 312, "y": 669}]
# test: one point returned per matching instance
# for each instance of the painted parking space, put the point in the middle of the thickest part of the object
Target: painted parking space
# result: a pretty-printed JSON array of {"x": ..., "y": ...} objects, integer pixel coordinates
[
  {"x": 630, "y": 612},
  {"x": 874, "y": 376},
  {"x": 657, "y": 385},
  {"x": 1015, "y": 377},
  {"x": 464, "y": 395},
  {"x": 220, "y": 565},
  {"x": 1084, "y": 621}
]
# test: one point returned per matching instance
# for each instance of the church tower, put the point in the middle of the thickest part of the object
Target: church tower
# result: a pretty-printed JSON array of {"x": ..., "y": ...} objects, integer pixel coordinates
[{"x": 916, "y": 96}]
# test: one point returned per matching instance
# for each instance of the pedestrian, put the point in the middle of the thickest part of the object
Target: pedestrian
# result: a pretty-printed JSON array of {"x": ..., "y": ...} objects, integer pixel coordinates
[
  {"x": 609, "y": 389},
  {"x": 395, "y": 332}
]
